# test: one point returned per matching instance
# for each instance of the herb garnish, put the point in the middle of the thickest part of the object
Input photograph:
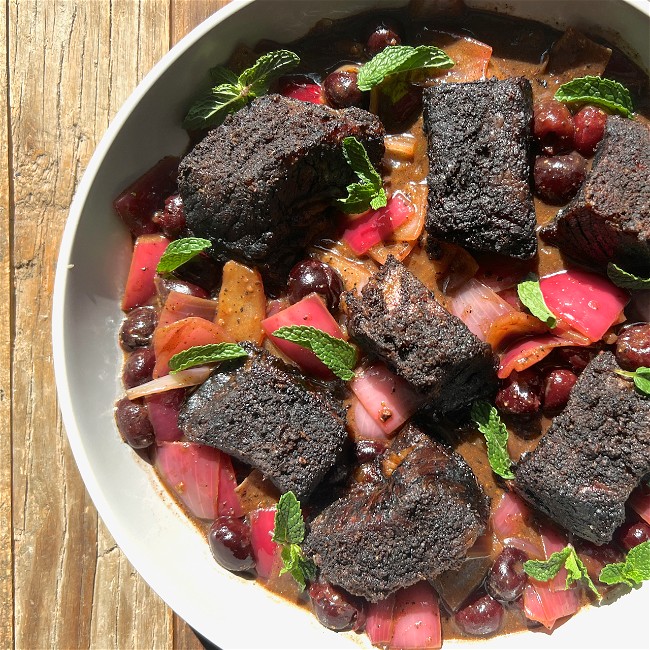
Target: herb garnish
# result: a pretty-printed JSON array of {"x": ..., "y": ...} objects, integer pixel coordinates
[
  {"x": 489, "y": 424},
  {"x": 199, "y": 355},
  {"x": 233, "y": 92},
  {"x": 369, "y": 191},
  {"x": 633, "y": 571},
  {"x": 626, "y": 280},
  {"x": 180, "y": 251},
  {"x": 338, "y": 355},
  {"x": 640, "y": 377},
  {"x": 401, "y": 58},
  {"x": 530, "y": 294},
  {"x": 544, "y": 570},
  {"x": 597, "y": 90},
  {"x": 289, "y": 532}
]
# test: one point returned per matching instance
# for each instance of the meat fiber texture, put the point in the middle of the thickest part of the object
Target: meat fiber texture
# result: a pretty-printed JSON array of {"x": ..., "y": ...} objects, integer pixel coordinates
[
  {"x": 269, "y": 417},
  {"x": 609, "y": 218},
  {"x": 399, "y": 320},
  {"x": 257, "y": 185},
  {"x": 593, "y": 455},
  {"x": 479, "y": 144},
  {"x": 413, "y": 525}
]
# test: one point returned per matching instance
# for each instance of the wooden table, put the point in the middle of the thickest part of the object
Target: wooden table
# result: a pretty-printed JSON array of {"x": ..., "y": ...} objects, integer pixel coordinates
[{"x": 67, "y": 66}]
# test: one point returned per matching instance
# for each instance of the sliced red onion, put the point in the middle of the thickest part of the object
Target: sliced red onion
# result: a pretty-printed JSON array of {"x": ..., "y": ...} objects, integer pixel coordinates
[
  {"x": 365, "y": 427},
  {"x": 546, "y": 606},
  {"x": 510, "y": 516},
  {"x": 229, "y": 503},
  {"x": 265, "y": 550},
  {"x": 640, "y": 503},
  {"x": 416, "y": 619},
  {"x": 181, "y": 379},
  {"x": 478, "y": 307},
  {"x": 181, "y": 305},
  {"x": 163, "y": 410},
  {"x": 554, "y": 541},
  {"x": 379, "y": 624}
]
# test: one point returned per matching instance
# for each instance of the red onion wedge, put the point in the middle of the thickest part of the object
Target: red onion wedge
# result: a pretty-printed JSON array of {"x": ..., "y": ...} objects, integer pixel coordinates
[
  {"x": 181, "y": 379},
  {"x": 140, "y": 287},
  {"x": 363, "y": 425},
  {"x": 546, "y": 606},
  {"x": 379, "y": 623},
  {"x": 163, "y": 410},
  {"x": 180, "y": 305},
  {"x": 510, "y": 517},
  {"x": 265, "y": 550},
  {"x": 416, "y": 619},
  {"x": 191, "y": 471},
  {"x": 640, "y": 503}
]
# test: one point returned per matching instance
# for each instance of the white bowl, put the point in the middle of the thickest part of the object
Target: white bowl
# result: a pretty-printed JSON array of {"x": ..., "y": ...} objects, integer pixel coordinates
[{"x": 170, "y": 554}]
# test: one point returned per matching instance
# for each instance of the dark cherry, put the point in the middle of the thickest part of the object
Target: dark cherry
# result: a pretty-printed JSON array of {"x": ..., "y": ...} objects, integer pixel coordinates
[
  {"x": 133, "y": 423},
  {"x": 576, "y": 358},
  {"x": 481, "y": 617},
  {"x": 171, "y": 220},
  {"x": 368, "y": 450},
  {"x": 230, "y": 543},
  {"x": 201, "y": 271},
  {"x": 558, "y": 178},
  {"x": 553, "y": 126},
  {"x": 633, "y": 347},
  {"x": 336, "y": 609},
  {"x": 589, "y": 129},
  {"x": 596, "y": 557},
  {"x": 521, "y": 394},
  {"x": 138, "y": 367},
  {"x": 506, "y": 579},
  {"x": 632, "y": 534},
  {"x": 557, "y": 388},
  {"x": 312, "y": 276},
  {"x": 382, "y": 37},
  {"x": 165, "y": 284},
  {"x": 341, "y": 90},
  {"x": 137, "y": 328}
]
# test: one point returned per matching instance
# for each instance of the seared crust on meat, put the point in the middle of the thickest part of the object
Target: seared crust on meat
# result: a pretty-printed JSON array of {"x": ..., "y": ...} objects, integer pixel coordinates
[
  {"x": 257, "y": 186},
  {"x": 398, "y": 319},
  {"x": 592, "y": 457},
  {"x": 412, "y": 526},
  {"x": 609, "y": 219},
  {"x": 479, "y": 143},
  {"x": 265, "y": 414}
]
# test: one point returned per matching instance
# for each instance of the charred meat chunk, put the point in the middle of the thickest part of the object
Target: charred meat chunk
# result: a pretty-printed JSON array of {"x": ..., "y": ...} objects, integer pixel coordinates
[
  {"x": 257, "y": 186},
  {"x": 479, "y": 139},
  {"x": 593, "y": 455},
  {"x": 270, "y": 417},
  {"x": 609, "y": 219},
  {"x": 399, "y": 320},
  {"x": 419, "y": 521}
]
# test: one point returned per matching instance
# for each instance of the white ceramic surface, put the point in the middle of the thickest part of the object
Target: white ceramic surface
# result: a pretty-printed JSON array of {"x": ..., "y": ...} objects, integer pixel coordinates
[{"x": 151, "y": 530}]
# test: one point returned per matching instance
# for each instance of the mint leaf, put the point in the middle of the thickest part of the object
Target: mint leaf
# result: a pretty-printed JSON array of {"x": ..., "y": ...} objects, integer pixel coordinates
[
  {"x": 626, "y": 280},
  {"x": 531, "y": 296},
  {"x": 301, "y": 568},
  {"x": 400, "y": 58},
  {"x": 180, "y": 251},
  {"x": 338, "y": 355},
  {"x": 289, "y": 525},
  {"x": 199, "y": 355},
  {"x": 544, "y": 570},
  {"x": 268, "y": 67},
  {"x": 640, "y": 377},
  {"x": 212, "y": 108},
  {"x": 633, "y": 571},
  {"x": 369, "y": 191},
  {"x": 489, "y": 424},
  {"x": 233, "y": 92},
  {"x": 599, "y": 91}
]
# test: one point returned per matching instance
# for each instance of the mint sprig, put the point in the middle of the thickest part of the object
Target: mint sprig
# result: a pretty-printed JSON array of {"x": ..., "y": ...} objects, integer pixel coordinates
[
  {"x": 640, "y": 377},
  {"x": 488, "y": 422},
  {"x": 289, "y": 532},
  {"x": 181, "y": 251},
  {"x": 544, "y": 570},
  {"x": 626, "y": 280},
  {"x": 530, "y": 294},
  {"x": 633, "y": 571},
  {"x": 338, "y": 355},
  {"x": 369, "y": 191},
  {"x": 401, "y": 58},
  {"x": 602, "y": 92},
  {"x": 233, "y": 92},
  {"x": 199, "y": 355}
]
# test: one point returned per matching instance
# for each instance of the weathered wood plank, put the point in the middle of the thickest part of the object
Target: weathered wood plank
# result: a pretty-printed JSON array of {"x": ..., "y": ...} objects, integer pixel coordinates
[
  {"x": 72, "y": 65},
  {"x": 6, "y": 530}
]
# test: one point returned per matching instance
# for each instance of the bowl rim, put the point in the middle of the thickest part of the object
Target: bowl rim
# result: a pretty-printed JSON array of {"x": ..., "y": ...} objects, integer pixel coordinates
[{"x": 105, "y": 507}]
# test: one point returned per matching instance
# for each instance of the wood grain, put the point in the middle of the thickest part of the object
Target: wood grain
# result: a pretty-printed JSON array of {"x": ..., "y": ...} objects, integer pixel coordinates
[{"x": 67, "y": 67}]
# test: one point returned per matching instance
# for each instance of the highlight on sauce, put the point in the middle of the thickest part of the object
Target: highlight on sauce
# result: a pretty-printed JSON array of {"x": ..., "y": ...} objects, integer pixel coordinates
[{"x": 425, "y": 417}]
